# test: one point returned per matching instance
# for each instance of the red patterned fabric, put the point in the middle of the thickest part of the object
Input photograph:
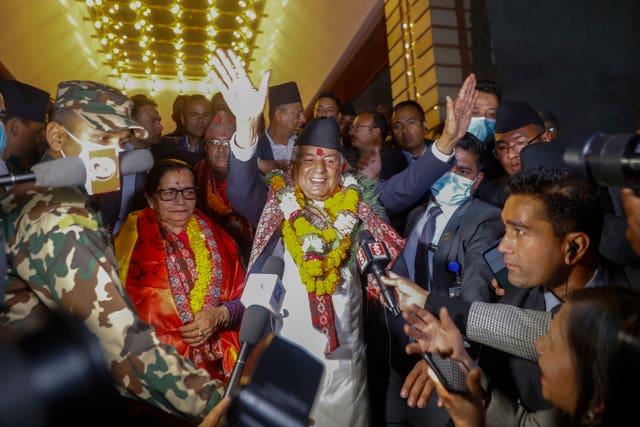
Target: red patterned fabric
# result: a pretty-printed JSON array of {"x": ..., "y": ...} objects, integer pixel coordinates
[
  {"x": 323, "y": 319},
  {"x": 160, "y": 275},
  {"x": 321, "y": 307},
  {"x": 213, "y": 201}
]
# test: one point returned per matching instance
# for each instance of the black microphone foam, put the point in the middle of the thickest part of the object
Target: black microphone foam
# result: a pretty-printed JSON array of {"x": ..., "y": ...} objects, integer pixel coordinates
[
  {"x": 135, "y": 161},
  {"x": 64, "y": 172},
  {"x": 254, "y": 321}
]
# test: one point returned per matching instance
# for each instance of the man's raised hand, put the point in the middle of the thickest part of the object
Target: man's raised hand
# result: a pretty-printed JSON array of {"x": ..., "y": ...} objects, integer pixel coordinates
[
  {"x": 245, "y": 101},
  {"x": 458, "y": 115}
]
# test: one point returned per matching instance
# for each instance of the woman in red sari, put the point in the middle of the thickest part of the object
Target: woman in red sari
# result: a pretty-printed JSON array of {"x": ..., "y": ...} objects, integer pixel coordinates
[{"x": 182, "y": 271}]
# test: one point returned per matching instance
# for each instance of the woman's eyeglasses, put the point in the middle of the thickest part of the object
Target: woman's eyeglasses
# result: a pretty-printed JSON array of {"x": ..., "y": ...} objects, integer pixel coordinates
[{"x": 170, "y": 194}]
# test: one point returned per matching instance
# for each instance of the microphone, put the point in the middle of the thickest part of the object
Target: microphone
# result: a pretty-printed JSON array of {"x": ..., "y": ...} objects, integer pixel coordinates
[
  {"x": 254, "y": 321},
  {"x": 265, "y": 288},
  {"x": 263, "y": 295},
  {"x": 71, "y": 171},
  {"x": 63, "y": 172},
  {"x": 135, "y": 161},
  {"x": 373, "y": 257}
]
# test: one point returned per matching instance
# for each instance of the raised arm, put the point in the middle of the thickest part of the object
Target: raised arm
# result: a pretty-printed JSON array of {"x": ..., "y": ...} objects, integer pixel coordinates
[
  {"x": 458, "y": 115},
  {"x": 407, "y": 187},
  {"x": 245, "y": 189},
  {"x": 245, "y": 101}
]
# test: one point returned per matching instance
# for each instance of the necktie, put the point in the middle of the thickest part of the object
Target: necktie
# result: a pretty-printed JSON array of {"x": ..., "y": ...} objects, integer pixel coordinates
[{"x": 421, "y": 265}]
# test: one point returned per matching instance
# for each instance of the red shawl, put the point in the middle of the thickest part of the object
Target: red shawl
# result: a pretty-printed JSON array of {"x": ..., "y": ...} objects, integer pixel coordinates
[{"x": 141, "y": 255}]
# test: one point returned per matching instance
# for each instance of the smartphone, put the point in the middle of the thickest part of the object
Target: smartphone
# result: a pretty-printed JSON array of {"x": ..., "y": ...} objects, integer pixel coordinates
[
  {"x": 495, "y": 260},
  {"x": 449, "y": 372}
]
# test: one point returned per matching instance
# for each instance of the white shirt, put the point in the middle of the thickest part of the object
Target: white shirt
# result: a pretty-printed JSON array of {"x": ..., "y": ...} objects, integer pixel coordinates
[{"x": 281, "y": 152}]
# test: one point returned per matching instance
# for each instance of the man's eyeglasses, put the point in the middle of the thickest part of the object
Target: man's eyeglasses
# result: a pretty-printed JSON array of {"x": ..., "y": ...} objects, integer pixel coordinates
[
  {"x": 219, "y": 142},
  {"x": 170, "y": 194},
  {"x": 501, "y": 150}
]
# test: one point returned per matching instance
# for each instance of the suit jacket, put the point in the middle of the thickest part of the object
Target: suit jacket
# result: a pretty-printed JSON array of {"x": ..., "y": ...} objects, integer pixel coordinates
[
  {"x": 263, "y": 150},
  {"x": 168, "y": 148},
  {"x": 473, "y": 227},
  {"x": 393, "y": 162},
  {"x": 495, "y": 191}
]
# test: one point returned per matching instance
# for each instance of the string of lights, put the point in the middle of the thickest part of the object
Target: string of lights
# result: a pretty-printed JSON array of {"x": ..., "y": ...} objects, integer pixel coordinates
[{"x": 174, "y": 39}]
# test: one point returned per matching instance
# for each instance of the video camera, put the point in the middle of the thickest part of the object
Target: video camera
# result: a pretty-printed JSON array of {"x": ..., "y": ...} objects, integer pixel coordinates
[{"x": 609, "y": 160}]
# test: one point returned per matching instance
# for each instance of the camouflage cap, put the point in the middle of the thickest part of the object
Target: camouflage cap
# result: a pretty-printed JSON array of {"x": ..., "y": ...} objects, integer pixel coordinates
[{"x": 102, "y": 106}]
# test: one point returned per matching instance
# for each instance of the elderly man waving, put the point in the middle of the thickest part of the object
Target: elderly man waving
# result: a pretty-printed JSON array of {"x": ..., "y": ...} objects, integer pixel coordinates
[{"x": 310, "y": 217}]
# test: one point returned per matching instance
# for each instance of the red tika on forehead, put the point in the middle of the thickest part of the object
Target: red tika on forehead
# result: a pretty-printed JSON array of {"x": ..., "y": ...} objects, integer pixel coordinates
[{"x": 319, "y": 151}]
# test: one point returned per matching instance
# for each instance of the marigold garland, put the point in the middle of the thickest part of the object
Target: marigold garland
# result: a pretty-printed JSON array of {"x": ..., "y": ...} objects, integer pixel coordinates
[
  {"x": 203, "y": 265},
  {"x": 316, "y": 252}
]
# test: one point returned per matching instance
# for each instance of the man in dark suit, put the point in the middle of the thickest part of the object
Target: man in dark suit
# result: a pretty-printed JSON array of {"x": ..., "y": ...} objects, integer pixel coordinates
[
  {"x": 445, "y": 240},
  {"x": 463, "y": 230},
  {"x": 409, "y": 127}
]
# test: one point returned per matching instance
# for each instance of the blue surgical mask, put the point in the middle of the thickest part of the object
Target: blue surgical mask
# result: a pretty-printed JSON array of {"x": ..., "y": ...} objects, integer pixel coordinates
[
  {"x": 482, "y": 128},
  {"x": 452, "y": 189},
  {"x": 3, "y": 137}
]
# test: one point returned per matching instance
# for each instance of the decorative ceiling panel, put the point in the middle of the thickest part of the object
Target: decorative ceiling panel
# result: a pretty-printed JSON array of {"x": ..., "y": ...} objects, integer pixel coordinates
[{"x": 172, "y": 38}]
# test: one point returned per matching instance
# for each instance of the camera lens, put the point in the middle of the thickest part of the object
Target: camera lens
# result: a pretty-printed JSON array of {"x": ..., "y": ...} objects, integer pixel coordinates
[{"x": 611, "y": 160}]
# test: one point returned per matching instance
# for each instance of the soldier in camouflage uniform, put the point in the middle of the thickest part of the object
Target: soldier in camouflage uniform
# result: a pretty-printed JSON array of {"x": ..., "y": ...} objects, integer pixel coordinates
[{"x": 60, "y": 257}]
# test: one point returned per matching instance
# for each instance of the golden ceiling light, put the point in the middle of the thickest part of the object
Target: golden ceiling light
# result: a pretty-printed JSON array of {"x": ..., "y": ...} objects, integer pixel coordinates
[{"x": 172, "y": 39}]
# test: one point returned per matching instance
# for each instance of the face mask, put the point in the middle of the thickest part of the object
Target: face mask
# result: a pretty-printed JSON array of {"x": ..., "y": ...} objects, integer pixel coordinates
[
  {"x": 3, "y": 137},
  {"x": 482, "y": 128},
  {"x": 102, "y": 164},
  {"x": 452, "y": 189}
]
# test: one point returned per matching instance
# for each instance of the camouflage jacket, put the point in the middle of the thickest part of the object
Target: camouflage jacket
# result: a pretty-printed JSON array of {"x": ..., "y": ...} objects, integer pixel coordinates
[{"x": 60, "y": 256}]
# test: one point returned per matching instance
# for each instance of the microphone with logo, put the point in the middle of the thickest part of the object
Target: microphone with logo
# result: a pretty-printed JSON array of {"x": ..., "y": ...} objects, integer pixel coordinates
[
  {"x": 263, "y": 295},
  {"x": 373, "y": 257}
]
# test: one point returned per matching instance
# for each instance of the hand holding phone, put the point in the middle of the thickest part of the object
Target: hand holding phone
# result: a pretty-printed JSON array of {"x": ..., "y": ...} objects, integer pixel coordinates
[
  {"x": 450, "y": 372},
  {"x": 495, "y": 260}
]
